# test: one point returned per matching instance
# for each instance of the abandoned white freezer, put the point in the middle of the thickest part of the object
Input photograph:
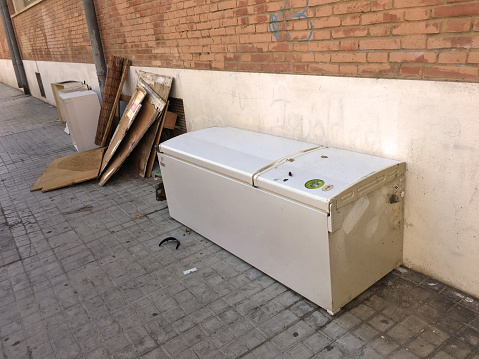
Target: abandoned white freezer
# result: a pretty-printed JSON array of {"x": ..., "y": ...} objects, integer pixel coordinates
[{"x": 326, "y": 222}]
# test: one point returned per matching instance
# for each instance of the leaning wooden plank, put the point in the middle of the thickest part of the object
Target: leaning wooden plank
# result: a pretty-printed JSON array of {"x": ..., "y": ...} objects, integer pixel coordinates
[
  {"x": 129, "y": 115},
  {"x": 159, "y": 83},
  {"x": 106, "y": 135},
  {"x": 113, "y": 78},
  {"x": 151, "y": 159},
  {"x": 145, "y": 118},
  {"x": 141, "y": 154},
  {"x": 69, "y": 170}
]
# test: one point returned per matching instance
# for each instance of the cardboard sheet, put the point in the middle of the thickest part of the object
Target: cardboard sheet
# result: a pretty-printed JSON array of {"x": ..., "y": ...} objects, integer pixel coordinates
[
  {"x": 126, "y": 121},
  {"x": 69, "y": 170},
  {"x": 141, "y": 155},
  {"x": 146, "y": 116}
]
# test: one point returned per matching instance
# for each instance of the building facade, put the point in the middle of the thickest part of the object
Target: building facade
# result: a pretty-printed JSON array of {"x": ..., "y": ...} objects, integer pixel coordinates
[{"x": 394, "y": 78}]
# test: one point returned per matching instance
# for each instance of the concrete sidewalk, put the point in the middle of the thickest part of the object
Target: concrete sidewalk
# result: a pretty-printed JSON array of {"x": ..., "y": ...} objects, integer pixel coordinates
[{"x": 82, "y": 276}]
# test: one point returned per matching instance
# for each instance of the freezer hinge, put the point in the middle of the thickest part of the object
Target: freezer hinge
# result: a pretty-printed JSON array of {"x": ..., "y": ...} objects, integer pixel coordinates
[{"x": 335, "y": 218}]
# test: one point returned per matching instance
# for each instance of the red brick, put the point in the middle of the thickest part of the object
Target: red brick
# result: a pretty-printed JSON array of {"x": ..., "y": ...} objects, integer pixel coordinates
[
  {"x": 349, "y": 20},
  {"x": 410, "y": 71},
  {"x": 321, "y": 35},
  {"x": 452, "y": 42},
  {"x": 322, "y": 58},
  {"x": 376, "y": 69},
  {"x": 248, "y": 66},
  {"x": 323, "y": 69},
  {"x": 376, "y": 18},
  {"x": 416, "y": 3},
  {"x": 417, "y": 14},
  {"x": 426, "y": 57},
  {"x": 348, "y": 57},
  {"x": 456, "y": 10},
  {"x": 452, "y": 58},
  {"x": 348, "y": 69},
  {"x": 331, "y": 21},
  {"x": 276, "y": 68},
  {"x": 350, "y": 32},
  {"x": 323, "y": 46},
  {"x": 457, "y": 26},
  {"x": 321, "y": 2},
  {"x": 352, "y": 7},
  {"x": 379, "y": 44},
  {"x": 451, "y": 72},
  {"x": 349, "y": 45},
  {"x": 413, "y": 42},
  {"x": 378, "y": 57},
  {"x": 381, "y": 5},
  {"x": 416, "y": 28},
  {"x": 300, "y": 68},
  {"x": 473, "y": 57},
  {"x": 285, "y": 47},
  {"x": 379, "y": 31},
  {"x": 260, "y": 57},
  {"x": 476, "y": 25},
  {"x": 324, "y": 11}
]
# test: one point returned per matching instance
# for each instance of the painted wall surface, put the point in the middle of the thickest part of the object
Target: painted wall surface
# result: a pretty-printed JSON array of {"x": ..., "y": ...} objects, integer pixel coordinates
[
  {"x": 430, "y": 125},
  {"x": 58, "y": 72},
  {"x": 7, "y": 73}
]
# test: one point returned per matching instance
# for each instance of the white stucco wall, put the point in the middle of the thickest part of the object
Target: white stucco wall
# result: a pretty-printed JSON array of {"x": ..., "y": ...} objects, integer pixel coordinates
[
  {"x": 7, "y": 73},
  {"x": 433, "y": 126},
  {"x": 58, "y": 72}
]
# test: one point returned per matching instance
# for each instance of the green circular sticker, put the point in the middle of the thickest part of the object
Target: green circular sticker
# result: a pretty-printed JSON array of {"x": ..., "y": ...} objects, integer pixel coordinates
[{"x": 314, "y": 183}]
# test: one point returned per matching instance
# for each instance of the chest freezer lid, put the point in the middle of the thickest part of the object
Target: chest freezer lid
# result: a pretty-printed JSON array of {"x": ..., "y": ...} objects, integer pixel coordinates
[
  {"x": 231, "y": 151},
  {"x": 329, "y": 175}
]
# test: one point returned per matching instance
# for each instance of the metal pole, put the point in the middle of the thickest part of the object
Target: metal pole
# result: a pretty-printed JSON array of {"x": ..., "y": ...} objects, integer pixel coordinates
[
  {"x": 95, "y": 40},
  {"x": 13, "y": 47}
]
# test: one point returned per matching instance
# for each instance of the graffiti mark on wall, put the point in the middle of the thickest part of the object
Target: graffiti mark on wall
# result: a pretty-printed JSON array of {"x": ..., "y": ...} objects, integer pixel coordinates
[{"x": 282, "y": 21}]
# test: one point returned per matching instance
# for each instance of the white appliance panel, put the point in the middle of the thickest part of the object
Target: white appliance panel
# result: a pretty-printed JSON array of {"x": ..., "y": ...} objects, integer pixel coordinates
[
  {"x": 233, "y": 152},
  {"x": 265, "y": 230},
  {"x": 337, "y": 170}
]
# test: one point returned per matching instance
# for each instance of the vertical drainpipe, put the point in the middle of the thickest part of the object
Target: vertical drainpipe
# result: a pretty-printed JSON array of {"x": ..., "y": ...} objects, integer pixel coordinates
[
  {"x": 13, "y": 47},
  {"x": 95, "y": 40}
]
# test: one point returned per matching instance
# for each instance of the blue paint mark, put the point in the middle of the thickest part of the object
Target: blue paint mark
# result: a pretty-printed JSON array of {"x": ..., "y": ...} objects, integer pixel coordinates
[{"x": 279, "y": 22}]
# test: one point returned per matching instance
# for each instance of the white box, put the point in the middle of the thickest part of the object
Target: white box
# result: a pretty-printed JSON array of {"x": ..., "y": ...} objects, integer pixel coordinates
[{"x": 81, "y": 110}]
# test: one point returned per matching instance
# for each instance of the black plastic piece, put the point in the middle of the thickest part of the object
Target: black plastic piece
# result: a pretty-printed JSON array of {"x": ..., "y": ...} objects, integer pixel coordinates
[{"x": 170, "y": 239}]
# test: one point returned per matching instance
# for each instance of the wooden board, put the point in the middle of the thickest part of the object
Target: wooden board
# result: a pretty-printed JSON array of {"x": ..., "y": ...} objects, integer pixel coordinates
[
  {"x": 106, "y": 135},
  {"x": 69, "y": 170},
  {"x": 145, "y": 118},
  {"x": 126, "y": 120},
  {"x": 159, "y": 83},
  {"x": 152, "y": 156},
  {"x": 112, "y": 83},
  {"x": 141, "y": 155},
  {"x": 170, "y": 120},
  {"x": 162, "y": 86}
]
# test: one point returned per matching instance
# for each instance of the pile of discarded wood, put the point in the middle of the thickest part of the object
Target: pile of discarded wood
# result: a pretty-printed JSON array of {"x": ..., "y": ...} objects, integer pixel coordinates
[{"x": 136, "y": 136}]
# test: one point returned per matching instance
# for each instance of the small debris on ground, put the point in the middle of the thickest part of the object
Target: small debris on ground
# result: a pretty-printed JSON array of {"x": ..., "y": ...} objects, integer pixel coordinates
[{"x": 189, "y": 271}]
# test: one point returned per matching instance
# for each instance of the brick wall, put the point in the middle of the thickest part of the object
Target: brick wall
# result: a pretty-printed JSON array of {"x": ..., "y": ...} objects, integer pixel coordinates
[
  {"x": 4, "y": 54},
  {"x": 54, "y": 30},
  {"x": 431, "y": 39}
]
